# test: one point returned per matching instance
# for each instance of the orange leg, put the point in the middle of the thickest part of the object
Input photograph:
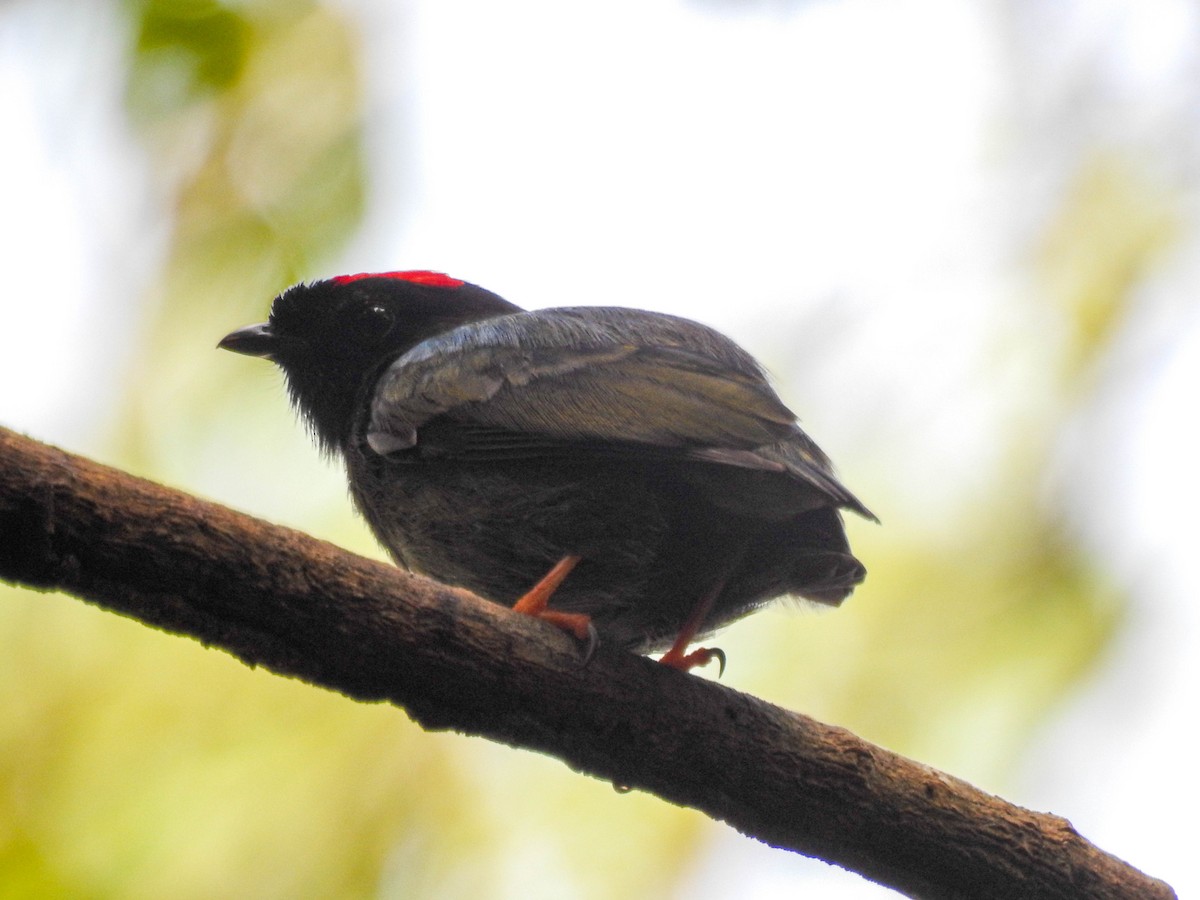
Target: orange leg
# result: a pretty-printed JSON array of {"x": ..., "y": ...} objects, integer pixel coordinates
[
  {"x": 676, "y": 657},
  {"x": 536, "y": 599}
]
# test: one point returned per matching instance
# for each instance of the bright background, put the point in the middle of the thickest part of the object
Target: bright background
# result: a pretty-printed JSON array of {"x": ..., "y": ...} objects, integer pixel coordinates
[{"x": 964, "y": 237}]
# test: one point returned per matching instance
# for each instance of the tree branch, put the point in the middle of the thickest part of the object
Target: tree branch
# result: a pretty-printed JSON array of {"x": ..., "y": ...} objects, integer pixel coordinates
[{"x": 302, "y": 607}]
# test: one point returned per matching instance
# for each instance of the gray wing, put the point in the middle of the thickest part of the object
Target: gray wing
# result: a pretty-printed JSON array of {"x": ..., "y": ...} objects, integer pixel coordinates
[{"x": 597, "y": 377}]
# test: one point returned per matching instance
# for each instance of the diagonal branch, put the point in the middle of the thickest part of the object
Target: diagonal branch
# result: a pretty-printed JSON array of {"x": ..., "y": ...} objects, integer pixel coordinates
[{"x": 302, "y": 607}]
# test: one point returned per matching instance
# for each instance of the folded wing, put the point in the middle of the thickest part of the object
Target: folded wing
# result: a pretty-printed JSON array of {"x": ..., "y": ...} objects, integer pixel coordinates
[{"x": 593, "y": 379}]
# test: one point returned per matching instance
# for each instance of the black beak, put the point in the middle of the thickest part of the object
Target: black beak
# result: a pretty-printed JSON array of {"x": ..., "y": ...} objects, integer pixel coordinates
[{"x": 253, "y": 340}]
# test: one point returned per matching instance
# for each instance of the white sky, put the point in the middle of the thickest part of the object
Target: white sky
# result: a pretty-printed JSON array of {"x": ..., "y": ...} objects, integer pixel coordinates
[{"x": 880, "y": 156}]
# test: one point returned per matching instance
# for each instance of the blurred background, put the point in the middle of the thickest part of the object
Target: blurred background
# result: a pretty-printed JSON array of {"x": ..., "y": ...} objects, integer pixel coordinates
[{"x": 963, "y": 237}]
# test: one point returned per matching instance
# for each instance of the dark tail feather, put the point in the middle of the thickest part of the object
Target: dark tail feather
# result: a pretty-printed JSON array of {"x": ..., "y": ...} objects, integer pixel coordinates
[{"x": 824, "y": 571}]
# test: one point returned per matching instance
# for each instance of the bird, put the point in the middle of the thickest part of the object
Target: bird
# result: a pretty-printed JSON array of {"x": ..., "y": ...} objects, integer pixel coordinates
[{"x": 628, "y": 476}]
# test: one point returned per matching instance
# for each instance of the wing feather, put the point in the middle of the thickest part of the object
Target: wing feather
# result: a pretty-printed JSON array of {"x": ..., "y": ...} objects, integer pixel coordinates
[
  {"x": 603, "y": 379},
  {"x": 582, "y": 375}
]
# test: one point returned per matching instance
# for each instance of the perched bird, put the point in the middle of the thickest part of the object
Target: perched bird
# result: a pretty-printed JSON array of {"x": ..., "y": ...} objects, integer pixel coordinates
[{"x": 613, "y": 471}]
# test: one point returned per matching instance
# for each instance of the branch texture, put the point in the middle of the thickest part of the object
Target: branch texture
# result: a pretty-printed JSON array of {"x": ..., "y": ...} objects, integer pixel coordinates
[{"x": 302, "y": 607}]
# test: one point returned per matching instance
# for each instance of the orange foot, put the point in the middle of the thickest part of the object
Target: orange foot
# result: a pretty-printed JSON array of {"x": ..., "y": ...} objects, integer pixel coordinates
[
  {"x": 678, "y": 657},
  {"x": 535, "y": 601},
  {"x": 685, "y": 662}
]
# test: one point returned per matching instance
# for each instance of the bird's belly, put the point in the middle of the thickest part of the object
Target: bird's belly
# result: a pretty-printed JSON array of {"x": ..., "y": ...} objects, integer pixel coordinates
[
  {"x": 496, "y": 529},
  {"x": 651, "y": 545}
]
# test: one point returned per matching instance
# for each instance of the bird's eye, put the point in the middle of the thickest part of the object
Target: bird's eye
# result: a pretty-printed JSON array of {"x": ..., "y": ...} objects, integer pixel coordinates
[{"x": 371, "y": 323}]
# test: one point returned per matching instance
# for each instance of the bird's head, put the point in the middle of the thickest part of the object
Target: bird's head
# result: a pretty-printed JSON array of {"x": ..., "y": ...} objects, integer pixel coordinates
[{"x": 333, "y": 337}]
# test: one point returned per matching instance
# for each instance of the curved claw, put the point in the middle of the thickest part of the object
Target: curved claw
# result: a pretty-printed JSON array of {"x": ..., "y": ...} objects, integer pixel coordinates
[
  {"x": 719, "y": 655},
  {"x": 593, "y": 641}
]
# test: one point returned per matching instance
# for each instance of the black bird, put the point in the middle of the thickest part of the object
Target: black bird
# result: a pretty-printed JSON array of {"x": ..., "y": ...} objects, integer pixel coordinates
[{"x": 633, "y": 469}]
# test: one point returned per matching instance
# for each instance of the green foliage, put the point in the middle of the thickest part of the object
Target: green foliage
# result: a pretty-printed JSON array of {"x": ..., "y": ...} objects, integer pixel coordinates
[
  {"x": 265, "y": 168},
  {"x": 198, "y": 47},
  {"x": 1113, "y": 226}
]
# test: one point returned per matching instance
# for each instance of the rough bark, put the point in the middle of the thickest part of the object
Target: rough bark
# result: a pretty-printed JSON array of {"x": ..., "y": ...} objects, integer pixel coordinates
[{"x": 277, "y": 598}]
